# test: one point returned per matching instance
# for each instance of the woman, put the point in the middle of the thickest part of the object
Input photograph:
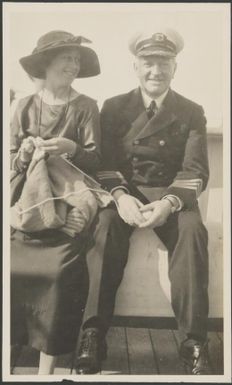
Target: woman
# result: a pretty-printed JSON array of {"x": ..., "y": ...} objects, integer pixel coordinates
[{"x": 49, "y": 273}]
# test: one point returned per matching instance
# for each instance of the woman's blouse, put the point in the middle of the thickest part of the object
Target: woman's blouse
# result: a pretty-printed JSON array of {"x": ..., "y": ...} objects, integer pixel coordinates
[{"x": 78, "y": 121}]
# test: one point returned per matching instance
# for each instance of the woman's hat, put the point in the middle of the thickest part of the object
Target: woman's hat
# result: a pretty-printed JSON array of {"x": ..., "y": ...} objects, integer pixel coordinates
[{"x": 35, "y": 64}]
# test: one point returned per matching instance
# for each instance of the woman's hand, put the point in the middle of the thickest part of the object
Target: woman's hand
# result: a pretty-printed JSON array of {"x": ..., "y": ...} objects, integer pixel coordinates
[
  {"x": 26, "y": 149},
  {"x": 156, "y": 212},
  {"x": 58, "y": 146},
  {"x": 129, "y": 210}
]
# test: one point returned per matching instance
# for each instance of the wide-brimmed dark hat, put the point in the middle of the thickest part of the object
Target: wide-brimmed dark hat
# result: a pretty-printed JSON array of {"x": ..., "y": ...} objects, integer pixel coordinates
[{"x": 52, "y": 42}]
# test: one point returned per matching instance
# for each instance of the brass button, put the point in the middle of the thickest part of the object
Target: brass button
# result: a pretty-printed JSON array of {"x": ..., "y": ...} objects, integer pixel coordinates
[
  {"x": 161, "y": 142},
  {"x": 160, "y": 173},
  {"x": 136, "y": 141},
  {"x": 136, "y": 171},
  {"x": 135, "y": 159}
]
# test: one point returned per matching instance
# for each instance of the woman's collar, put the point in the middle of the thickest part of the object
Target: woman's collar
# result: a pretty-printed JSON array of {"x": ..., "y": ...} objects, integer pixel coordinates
[{"x": 48, "y": 97}]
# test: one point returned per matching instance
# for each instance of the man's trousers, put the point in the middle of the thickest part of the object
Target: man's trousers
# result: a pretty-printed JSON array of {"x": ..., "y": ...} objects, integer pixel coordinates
[{"x": 185, "y": 238}]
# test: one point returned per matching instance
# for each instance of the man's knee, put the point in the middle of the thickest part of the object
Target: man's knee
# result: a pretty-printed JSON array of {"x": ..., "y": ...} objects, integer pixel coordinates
[
  {"x": 107, "y": 216},
  {"x": 190, "y": 222},
  {"x": 104, "y": 220},
  {"x": 110, "y": 226},
  {"x": 189, "y": 263}
]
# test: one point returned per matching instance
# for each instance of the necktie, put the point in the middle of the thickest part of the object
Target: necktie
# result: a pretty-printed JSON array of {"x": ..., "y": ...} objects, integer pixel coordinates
[{"x": 151, "y": 110}]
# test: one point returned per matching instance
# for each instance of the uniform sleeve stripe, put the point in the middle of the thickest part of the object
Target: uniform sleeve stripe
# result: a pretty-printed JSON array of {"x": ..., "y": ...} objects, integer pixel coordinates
[
  {"x": 107, "y": 176},
  {"x": 192, "y": 184},
  {"x": 186, "y": 185},
  {"x": 107, "y": 172},
  {"x": 110, "y": 175},
  {"x": 189, "y": 180},
  {"x": 121, "y": 176},
  {"x": 189, "y": 183}
]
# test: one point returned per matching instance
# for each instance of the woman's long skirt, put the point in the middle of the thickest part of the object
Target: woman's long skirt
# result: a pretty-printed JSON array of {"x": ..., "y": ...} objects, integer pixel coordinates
[{"x": 49, "y": 287}]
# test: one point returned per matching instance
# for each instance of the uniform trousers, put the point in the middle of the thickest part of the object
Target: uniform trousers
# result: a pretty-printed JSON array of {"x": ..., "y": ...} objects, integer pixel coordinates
[{"x": 185, "y": 238}]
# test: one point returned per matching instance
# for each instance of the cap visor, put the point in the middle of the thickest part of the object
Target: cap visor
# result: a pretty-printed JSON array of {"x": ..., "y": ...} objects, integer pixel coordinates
[{"x": 155, "y": 52}]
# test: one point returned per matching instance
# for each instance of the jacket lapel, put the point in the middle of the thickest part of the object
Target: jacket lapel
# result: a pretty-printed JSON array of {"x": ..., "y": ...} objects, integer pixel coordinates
[
  {"x": 135, "y": 114},
  {"x": 165, "y": 116},
  {"x": 134, "y": 106}
]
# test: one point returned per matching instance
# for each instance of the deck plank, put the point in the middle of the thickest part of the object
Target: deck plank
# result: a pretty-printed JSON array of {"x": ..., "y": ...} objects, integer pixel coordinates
[
  {"x": 216, "y": 353},
  {"x": 19, "y": 370},
  {"x": 15, "y": 353},
  {"x": 133, "y": 351},
  {"x": 140, "y": 352},
  {"x": 29, "y": 358},
  {"x": 215, "y": 350},
  {"x": 166, "y": 351},
  {"x": 59, "y": 370},
  {"x": 65, "y": 361},
  {"x": 34, "y": 370},
  {"x": 117, "y": 355},
  {"x": 178, "y": 338}
]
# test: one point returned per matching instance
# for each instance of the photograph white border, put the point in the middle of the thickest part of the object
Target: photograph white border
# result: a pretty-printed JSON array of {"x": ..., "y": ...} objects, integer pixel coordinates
[{"x": 11, "y": 7}]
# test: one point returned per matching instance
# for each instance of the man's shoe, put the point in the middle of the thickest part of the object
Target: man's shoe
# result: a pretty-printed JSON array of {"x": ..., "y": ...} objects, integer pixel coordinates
[
  {"x": 91, "y": 353},
  {"x": 194, "y": 355}
]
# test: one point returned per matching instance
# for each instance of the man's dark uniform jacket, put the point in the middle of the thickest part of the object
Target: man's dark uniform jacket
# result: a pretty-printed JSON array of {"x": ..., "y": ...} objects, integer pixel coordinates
[{"x": 168, "y": 151}]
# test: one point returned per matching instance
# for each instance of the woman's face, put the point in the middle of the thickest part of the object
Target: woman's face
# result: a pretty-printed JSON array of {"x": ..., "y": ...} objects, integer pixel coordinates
[{"x": 64, "y": 67}]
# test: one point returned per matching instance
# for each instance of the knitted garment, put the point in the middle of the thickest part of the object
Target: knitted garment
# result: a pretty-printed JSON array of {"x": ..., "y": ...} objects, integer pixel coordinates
[{"x": 55, "y": 195}]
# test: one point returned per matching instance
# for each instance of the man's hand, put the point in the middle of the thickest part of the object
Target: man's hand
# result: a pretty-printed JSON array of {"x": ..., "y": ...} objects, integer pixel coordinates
[
  {"x": 57, "y": 146},
  {"x": 159, "y": 213},
  {"x": 129, "y": 209}
]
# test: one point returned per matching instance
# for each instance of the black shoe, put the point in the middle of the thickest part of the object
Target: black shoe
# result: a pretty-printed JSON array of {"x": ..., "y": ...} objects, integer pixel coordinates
[
  {"x": 194, "y": 355},
  {"x": 91, "y": 353}
]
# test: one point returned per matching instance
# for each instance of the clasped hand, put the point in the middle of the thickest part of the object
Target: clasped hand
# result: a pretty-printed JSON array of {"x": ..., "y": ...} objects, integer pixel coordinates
[
  {"x": 129, "y": 210},
  {"x": 156, "y": 213},
  {"x": 133, "y": 212}
]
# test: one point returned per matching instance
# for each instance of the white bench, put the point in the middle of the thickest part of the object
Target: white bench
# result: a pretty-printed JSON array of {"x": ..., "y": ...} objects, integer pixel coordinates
[{"x": 145, "y": 288}]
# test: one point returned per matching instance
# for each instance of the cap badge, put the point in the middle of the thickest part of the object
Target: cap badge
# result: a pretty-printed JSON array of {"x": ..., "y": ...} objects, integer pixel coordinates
[{"x": 159, "y": 37}]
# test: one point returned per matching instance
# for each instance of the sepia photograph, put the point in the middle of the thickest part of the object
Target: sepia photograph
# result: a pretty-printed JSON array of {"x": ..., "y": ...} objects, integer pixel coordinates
[{"x": 116, "y": 191}]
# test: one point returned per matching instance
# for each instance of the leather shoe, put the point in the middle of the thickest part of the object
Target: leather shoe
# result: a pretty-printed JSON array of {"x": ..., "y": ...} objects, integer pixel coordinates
[
  {"x": 194, "y": 355},
  {"x": 91, "y": 353}
]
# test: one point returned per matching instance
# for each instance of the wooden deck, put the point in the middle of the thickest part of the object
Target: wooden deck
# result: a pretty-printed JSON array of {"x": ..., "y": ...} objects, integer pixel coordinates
[{"x": 132, "y": 351}]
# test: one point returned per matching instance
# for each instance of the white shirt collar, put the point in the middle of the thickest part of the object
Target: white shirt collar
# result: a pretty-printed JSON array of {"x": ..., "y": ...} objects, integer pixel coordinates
[{"x": 147, "y": 99}]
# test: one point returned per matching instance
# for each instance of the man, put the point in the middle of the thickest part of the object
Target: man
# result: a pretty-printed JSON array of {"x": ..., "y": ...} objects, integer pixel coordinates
[{"x": 154, "y": 144}]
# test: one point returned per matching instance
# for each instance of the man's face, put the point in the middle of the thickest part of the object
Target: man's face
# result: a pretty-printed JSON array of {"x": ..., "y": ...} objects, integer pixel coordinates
[{"x": 155, "y": 73}]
